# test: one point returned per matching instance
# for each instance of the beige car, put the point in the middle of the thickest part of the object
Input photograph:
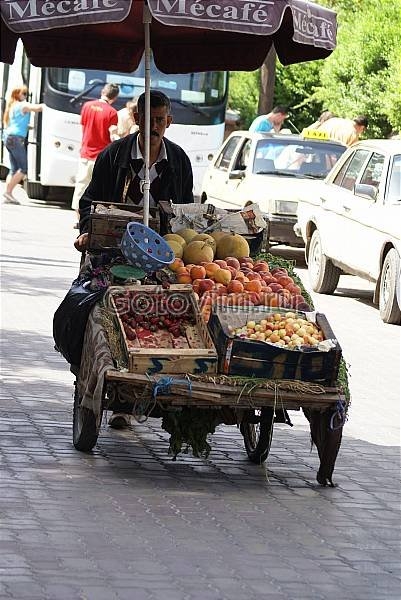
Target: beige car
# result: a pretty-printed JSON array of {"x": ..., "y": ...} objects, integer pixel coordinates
[
  {"x": 271, "y": 170},
  {"x": 351, "y": 223}
]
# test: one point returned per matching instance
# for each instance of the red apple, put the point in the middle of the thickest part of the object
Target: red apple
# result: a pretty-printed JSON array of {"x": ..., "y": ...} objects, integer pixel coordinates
[
  {"x": 233, "y": 262},
  {"x": 296, "y": 300},
  {"x": 279, "y": 270},
  {"x": 222, "y": 263},
  {"x": 205, "y": 285}
]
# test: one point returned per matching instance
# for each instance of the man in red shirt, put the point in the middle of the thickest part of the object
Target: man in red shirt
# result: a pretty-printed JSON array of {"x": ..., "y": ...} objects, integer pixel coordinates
[{"x": 99, "y": 125}]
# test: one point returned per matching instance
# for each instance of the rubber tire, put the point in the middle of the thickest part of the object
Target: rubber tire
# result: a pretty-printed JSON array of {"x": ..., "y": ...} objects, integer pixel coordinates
[
  {"x": 4, "y": 171},
  {"x": 323, "y": 275},
  {"x": 258, "y": 441},
  {"x": 36, "y": 191},
  {"x": 84, "y": 429},
  {"x": 388, "y": 305}
]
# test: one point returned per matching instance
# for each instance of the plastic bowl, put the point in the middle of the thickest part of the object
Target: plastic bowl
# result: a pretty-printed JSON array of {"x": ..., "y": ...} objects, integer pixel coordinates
[{"x": 144, "y": 248}]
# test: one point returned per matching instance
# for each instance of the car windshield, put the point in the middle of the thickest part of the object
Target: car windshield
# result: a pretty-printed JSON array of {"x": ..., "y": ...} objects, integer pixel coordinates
[
  {"x": 394, "y": 187},
  {"x": 296, "y": 157}
]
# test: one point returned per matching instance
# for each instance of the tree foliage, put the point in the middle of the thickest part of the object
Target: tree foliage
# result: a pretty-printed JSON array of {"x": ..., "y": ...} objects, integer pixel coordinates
[
  {"x": 244, "y": 94},
  {"x": 362, "y": 76}
]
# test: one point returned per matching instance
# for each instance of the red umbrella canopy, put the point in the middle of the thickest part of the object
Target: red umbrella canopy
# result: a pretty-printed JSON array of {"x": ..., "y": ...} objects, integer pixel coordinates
[{"x": 185, "y": 35}]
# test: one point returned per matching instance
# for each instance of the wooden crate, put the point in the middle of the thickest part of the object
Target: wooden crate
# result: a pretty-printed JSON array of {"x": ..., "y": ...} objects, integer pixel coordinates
[
  {"x": 260, "y": 359},
  {"x": 106, "y": 230},
  {"x": 197, "y": 353}
]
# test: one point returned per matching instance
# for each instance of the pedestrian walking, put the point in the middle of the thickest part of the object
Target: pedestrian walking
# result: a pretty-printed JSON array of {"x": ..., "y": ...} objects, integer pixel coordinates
[
  {"x": 99, "y": 122},
  {"x": 346, "y": 131},
  {"x": 271, "y": 122},
  {"x": 325, "y": 116},
  {"x": 126, "y": 119},
  {"x": 16, "y": 124}
]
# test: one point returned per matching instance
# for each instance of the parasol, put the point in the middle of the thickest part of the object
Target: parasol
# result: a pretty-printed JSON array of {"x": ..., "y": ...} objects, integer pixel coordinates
[{"x": 183, "y": 35}]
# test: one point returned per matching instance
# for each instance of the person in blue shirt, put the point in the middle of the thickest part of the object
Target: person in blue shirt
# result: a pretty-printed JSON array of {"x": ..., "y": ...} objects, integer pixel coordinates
[
  {"x": 16, "y": 124},
  {"x": 271, "y": 122}
]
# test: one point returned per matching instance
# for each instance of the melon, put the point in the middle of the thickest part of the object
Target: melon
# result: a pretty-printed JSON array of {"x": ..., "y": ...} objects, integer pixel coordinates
[
  {"x": 218, "y": 235},
  {"x": 234, "y": 245},
  {"x": 204, "y": 237},
  {"x": 176, "y": 238},
  {"x": 198, "y": 252},
  {"x": 187, "y": 234},
  {"x": 176, "y": 248}
]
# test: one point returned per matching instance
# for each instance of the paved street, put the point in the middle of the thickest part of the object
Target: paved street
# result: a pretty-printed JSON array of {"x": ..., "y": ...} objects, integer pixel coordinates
[{"x": 127, "y": 523}]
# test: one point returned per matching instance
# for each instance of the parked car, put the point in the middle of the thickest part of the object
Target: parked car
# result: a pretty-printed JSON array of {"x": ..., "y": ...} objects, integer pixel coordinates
[
  {"x": 270, "y": 169},
  {"x": 351, "y": 224}
]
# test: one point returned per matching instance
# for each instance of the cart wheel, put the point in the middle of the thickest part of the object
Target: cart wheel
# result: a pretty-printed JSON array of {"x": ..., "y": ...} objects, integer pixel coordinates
[
  {"x": 84, "y": 430},
  {"x": 258, "y": 436}
]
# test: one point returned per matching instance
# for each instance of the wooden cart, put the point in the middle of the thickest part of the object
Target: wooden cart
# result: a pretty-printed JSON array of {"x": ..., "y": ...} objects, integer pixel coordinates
[{"x": 253, "y": 406}]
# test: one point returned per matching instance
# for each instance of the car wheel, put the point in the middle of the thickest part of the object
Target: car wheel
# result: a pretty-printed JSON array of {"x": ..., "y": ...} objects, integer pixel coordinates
[
  {"x": 36, "y": 191},
  {"x": 323, "y": 274},
  {"x": 388, "y": 304}
]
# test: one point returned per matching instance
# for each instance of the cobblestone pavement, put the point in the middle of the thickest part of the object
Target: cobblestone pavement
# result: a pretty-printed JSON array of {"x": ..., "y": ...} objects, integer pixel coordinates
[{"x": 128, "y": 523}]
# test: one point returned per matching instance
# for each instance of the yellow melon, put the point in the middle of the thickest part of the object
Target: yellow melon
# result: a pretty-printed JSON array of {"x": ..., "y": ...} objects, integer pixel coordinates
[
  {"x": 218, "y": 235},
  {"x": 232, "y": 244},
  {"x": 198, "y": 252},
  {"x": 176, "y": 238},
  {"x": 187, "y": 234},
  {"x": 176, "y": 248},
  {"x": 204, "y": 237}
]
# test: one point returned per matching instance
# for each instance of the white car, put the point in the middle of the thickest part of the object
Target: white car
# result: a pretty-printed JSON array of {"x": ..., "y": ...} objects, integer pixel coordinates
[
  {"x": 271, "y": 170},
  {"x": 351, "y": 224}
]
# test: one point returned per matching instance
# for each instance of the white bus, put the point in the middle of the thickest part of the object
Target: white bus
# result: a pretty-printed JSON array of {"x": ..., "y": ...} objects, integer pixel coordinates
[{"x": 198, "y": 105}]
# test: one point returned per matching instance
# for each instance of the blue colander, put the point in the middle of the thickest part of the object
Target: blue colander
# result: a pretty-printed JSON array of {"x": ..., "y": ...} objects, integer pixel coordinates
[{"x": 144, "y": 248}]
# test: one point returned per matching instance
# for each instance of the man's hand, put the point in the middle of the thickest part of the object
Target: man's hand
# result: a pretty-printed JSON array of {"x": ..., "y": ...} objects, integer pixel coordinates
[{"x": 81, "y": 243}]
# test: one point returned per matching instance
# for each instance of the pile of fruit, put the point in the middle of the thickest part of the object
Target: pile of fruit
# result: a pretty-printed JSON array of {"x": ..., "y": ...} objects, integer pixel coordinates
[
  {"x": 155, "y": 320},
  {"x": 288, "y": 330},
  {"x": 221, "y": 272}
]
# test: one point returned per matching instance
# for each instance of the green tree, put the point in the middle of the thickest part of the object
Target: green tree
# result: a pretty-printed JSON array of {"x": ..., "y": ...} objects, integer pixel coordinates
[
  {"x": 362, "y": 76},
  {"x": 244, "y": 94}
]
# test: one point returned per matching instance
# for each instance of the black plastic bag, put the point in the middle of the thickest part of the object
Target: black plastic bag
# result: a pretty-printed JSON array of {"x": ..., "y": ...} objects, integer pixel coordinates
[{"x": 69, "y": 321}]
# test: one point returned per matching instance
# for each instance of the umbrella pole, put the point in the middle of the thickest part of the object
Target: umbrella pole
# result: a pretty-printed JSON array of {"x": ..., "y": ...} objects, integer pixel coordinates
[{"x": 147, "y": 17}]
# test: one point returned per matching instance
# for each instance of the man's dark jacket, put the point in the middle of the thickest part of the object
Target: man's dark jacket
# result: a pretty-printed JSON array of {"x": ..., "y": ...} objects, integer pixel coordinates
[{"x": 112, "y": 166}]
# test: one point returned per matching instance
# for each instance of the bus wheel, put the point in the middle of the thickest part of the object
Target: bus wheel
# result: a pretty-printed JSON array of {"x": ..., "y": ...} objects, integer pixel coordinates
[
  {"x": 36, "y": 191},
  {"x": 3, "y": 172}
]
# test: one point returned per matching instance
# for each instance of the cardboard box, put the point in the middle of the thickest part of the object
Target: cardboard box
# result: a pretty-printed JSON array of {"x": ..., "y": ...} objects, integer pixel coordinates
[
  {"x": 260, "y": 359},
  {"x": 192, "y": 353}
]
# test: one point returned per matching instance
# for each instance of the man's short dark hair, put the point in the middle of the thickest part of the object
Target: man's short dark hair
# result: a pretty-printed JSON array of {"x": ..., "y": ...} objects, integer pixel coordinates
[
  {"x": 157, "y": 99},
  {"x": 280, "y": 110},
  {"x": 361, "y": 120},
  {"x": 111, "y": 91}
]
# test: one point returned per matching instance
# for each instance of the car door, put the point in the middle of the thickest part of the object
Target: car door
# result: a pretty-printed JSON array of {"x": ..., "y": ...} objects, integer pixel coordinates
[
  {"x": 366, "y": 219},
  {"x": 337, "y": 200},
  {"x": 216, "y": 177},
  {"x": 239, "y": 179}
]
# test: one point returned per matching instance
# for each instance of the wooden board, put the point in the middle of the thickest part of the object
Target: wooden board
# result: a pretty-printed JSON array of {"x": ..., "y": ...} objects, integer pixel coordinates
[{"x": 207, "y": 395}]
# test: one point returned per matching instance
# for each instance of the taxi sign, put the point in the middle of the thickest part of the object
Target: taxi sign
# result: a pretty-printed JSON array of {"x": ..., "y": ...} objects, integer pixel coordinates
[{"x": 314, "y": 134}]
